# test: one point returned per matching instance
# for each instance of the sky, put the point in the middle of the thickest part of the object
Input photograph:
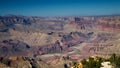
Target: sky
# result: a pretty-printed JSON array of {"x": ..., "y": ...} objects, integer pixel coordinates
[{"x": 59, "y": 7}]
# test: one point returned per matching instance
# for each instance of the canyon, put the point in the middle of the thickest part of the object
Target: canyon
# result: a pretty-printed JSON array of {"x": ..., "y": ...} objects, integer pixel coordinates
[{"x": 60, "y": 40}]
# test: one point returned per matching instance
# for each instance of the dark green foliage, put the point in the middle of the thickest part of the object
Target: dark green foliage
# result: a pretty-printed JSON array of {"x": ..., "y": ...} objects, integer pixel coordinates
[
  {"x": 91, "y": 63},
  {"x": 115, "y": 60},
  {"x": 84, "y": 61}
]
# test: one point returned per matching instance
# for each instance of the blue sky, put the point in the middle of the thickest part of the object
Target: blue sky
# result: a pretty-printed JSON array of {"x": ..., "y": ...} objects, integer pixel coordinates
[{"x": 59, "y": 7}]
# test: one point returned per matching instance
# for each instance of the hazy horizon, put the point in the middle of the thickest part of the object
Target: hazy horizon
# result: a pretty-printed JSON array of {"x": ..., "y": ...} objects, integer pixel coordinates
[{"x": 59, "y": 7}]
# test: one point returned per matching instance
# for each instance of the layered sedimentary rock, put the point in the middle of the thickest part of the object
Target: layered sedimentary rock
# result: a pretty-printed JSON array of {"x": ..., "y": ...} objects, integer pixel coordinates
[
  {"x": 13, "y": 47},
  {"x": 71, "y": 37}
]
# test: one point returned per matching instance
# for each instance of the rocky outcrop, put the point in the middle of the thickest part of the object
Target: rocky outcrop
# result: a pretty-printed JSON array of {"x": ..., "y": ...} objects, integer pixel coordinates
[
  {"x": 22, "y": 62},
  {"x": 13, "y": 47},
  {"x": 85, "y": 23},
  {"x": 48, "y": 49}
]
